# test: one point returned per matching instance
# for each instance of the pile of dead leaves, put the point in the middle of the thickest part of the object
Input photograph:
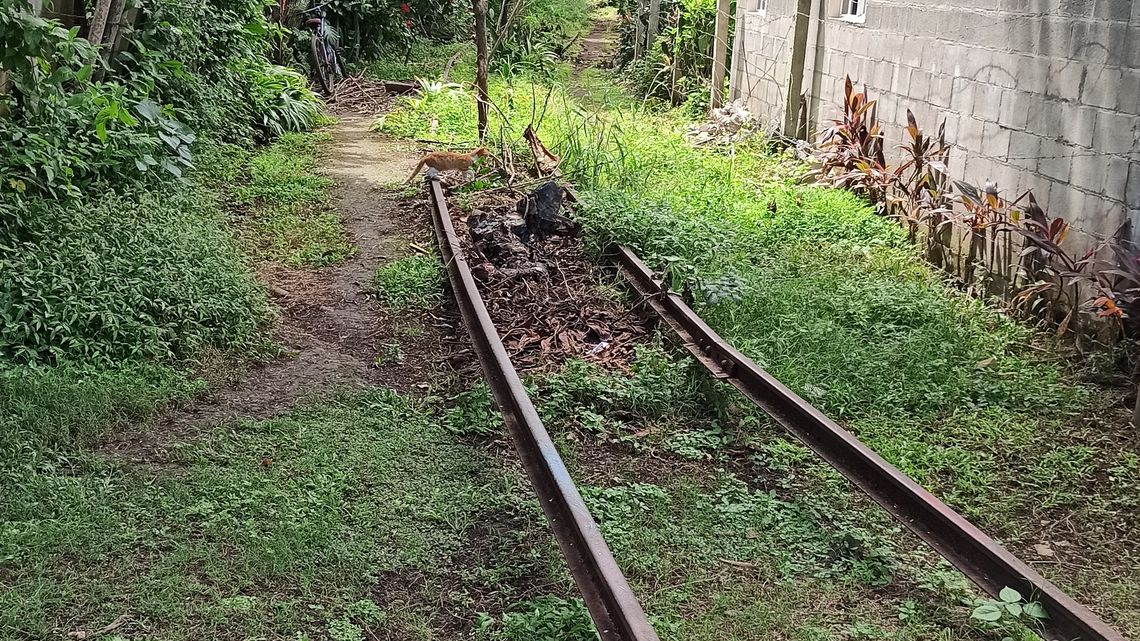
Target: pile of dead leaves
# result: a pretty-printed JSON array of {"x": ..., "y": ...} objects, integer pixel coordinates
[{"x": 544, "y": 294}]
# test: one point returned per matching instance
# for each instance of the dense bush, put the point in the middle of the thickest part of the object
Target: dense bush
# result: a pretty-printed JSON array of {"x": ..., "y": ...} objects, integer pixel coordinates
[
  {"x": 134, "y": 276},
  {"x": 63, "y": 132},
  {"x": 679, "y": 64}
]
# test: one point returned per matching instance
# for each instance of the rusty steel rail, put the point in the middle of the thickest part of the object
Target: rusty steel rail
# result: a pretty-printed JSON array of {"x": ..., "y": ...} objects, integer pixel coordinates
[
  {"x": 615, "y": 611},
  {"x": 978, "y": 556}
]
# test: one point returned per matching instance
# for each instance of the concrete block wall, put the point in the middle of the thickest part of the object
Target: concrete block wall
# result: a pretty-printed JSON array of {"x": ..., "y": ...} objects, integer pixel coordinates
[
  {"x": 762, "y": 57},
  {"x": 1036, "y": 94}
]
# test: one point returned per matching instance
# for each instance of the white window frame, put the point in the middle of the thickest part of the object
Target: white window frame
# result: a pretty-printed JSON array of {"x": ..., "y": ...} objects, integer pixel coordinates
[
  {"x": 761, "y": 8},
  {"x": 853, "y": 10}
]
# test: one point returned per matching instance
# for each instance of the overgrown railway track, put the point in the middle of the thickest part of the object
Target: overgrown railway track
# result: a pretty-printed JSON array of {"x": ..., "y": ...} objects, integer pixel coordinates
[{"x": 615, "y": 610}]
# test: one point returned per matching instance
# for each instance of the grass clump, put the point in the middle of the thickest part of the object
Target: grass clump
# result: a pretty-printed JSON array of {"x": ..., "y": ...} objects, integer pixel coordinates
[
  {"x": 413, "y": 282},
  {"x": 272, "y": 529},
  {"x": 285, "y": 206}
]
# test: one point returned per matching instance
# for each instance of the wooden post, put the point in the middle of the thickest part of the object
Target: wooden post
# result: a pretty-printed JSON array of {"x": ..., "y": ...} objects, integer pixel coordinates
[
  {"x": 481, "y": 65},
  {"x": 720, "y": 48},
  {"x": 654, "y": 24},
  {"x": 796, "y": 74},
  {"x": 98, "y": 22},
  {"x": 638, "y": 29}
]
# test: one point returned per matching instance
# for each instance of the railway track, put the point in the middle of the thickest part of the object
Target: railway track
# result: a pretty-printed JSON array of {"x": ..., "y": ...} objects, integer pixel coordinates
[{"x": 616, "y": 612}]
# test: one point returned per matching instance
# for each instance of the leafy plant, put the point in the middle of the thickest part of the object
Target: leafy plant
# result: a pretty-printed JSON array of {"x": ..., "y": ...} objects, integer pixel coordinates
[
  {"x": 541, "y": 619},
  {"x": 851, "y": 151},
  {"x": 282, "y": 99},
  {"x": 1009, "y": 611}
]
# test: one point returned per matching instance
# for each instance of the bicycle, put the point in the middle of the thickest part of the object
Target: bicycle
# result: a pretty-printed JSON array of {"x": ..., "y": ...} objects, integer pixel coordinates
[{"x": 326, "y": 63}]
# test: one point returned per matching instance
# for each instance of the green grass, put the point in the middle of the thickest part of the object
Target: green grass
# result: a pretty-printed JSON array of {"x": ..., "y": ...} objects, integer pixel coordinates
[
  {"x": 413, "y": 282},
  {"x": 284, "y": 206},
  {"x": 360, "y": 510},
  {"x": 831, "y": 299}
]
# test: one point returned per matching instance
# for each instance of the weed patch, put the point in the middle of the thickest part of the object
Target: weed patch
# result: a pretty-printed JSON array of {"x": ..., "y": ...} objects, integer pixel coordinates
[
  {"x": 286, "y": 214},
  {"x": 414, "y": 282},
  {"x": 278, "y": 528}
]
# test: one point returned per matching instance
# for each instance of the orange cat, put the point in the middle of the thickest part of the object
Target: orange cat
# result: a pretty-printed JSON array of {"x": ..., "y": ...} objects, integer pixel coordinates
[{"x": 449, "y": 161}]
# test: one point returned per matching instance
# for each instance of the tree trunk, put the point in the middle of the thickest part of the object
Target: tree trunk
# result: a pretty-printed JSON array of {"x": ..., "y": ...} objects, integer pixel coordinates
[
  {"x": 98, "y": 23},
  {"x": 481, "y": 65},
  {"x": 720, "y": 49}
]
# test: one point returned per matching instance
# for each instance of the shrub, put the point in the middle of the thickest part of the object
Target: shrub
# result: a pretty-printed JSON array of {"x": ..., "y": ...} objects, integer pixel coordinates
[
  {"x": 135, "y": 276},
  {"x": 282, "y": 100}
]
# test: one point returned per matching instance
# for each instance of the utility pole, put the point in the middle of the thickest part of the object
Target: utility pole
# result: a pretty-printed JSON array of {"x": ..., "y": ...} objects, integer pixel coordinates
[
  {"x": 720, "y": 48},
  {"x": 796, "y": 74},
  {"x": 481, "y": 65}
]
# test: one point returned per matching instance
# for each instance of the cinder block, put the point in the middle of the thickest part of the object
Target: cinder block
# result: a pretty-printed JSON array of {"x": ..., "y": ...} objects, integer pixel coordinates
[
  {"x": 1076, "y": 8},
  {"x": 1065, "y": 201},
  {"x": 1088, "y": 45},
  {"x": 1119, "y": 10},
  {"x": 1132, "y": 189},
  {"x": 1045, "y": 118},
  {"x": 995, "y": 140},
  {"x": 1089, "y": 171},
  {"x": 1128, "y": 97},
  {"x": 1065, "y": 79},
  {"x": 884, "y": 72},
  {"x": 911, "y": 54},
  {"x": 1078, "y": 124},
  {"x": 1014, "y": 109},
  {"x": 970, "y": 133},
  {"x": 1055, "y": 160},
  {"x": 1115, "y": 133},
  {"x": 987, "y": 102},
  {"x": 941, "y": 90},
  {"x": 1053, "y": 36},
  {"x": 962, "y": 99},
  {"x": 1014, "y": 6},
  {"x": 1116, "y": 179},
  {"x": 973, "y": 64},
  {"x": 900, "y": 83},
  {"x": 920, "y": 83},
  {"x": 979, "y": 169},
  {"x": 1003, "y": 71},
  {"x": 1101, "y": 86},
  {"x": 1032, "y": 74}
]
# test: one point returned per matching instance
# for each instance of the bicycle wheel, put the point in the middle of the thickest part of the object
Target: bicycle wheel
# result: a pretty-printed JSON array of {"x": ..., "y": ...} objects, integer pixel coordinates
[{"x": 321, "y": 67}]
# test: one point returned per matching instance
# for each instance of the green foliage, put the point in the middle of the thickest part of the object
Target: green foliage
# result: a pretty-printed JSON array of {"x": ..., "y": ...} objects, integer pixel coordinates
[
  {"x": 136, "y": 276},
  {"x": 473, "y": 412},
  {"x": 543, "y": 618},
  {"x": 682, "y": 49},
  {"x": 1011, "y": 614},
  {"x": 413, "y": 282},
  {"x": 61, "y": 132},
  {"x": 46, "y": 412},
  {"x": 283, "y": 100},
  {"x": 286, "y": 212}
]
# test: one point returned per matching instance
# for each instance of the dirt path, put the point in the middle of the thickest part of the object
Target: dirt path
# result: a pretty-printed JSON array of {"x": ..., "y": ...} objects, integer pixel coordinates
[
  {"x": 599, "y": 45},
  {"x": 334, "y": 329}
]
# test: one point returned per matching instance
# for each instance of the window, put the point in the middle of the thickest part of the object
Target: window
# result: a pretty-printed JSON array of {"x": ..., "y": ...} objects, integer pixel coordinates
[
  {"x": 853, "y": 10},
  {"x": 762, "y": 7}
]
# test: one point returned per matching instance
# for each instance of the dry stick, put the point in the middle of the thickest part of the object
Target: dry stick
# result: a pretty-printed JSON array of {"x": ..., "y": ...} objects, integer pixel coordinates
[{"x": 80, "y": 635}]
